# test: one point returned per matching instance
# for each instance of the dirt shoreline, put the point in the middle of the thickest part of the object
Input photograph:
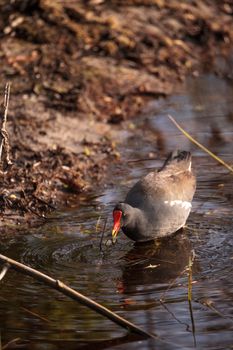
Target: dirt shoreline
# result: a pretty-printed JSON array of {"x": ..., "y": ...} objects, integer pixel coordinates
[{"x": 79, "y": 72}]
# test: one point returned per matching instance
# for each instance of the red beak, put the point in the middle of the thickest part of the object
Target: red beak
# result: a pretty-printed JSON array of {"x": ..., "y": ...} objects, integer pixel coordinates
[{"x": 117, "y": 214}]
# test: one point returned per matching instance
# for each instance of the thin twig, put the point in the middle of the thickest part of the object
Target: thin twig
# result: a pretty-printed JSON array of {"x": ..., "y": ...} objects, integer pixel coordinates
[
  {"x": 6, "y": 104},
  {"x": 44, "y": 202},
  {"x": 171, "y": 284},
  {"x": 209, "y": 305},
  {"x": 35, "y": 314},
  {"x": 41, "y": 216},
  {"x": 174, "y": 316},
  {"x": 190, "y": 275},
  {"x": 193, "y": 323},
  {"x": 4, "y": 271},
  {"x": 4, "y": 143},
  {"x": 102, "y": 235},
  {"x": 200, "y": 145},
  {"x": 10, "y": 343},
  {"x": 63, "y": 288}
]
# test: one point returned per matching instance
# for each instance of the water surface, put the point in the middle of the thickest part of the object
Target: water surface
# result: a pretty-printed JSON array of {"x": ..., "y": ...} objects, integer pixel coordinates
[{"x": 146, "y": 284}]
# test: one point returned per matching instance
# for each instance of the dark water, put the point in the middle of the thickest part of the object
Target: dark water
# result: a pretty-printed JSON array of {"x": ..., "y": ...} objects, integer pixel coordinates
[{"x": 130, "y": 279}]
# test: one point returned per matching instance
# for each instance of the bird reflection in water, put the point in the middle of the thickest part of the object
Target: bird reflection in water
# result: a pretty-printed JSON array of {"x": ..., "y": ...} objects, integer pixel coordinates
[{"x": 158, "y": 262}]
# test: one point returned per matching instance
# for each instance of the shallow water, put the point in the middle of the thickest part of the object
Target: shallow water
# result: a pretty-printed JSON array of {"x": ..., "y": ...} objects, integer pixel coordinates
[{"x": 132, "y": 280}]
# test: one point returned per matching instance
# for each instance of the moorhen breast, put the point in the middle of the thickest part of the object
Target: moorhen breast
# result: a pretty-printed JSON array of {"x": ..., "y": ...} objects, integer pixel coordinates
[{"x": 158, "y": 204}]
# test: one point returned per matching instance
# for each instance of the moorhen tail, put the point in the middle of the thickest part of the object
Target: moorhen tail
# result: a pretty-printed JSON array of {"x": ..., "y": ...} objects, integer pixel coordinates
[{"x": 158, "y": 204}]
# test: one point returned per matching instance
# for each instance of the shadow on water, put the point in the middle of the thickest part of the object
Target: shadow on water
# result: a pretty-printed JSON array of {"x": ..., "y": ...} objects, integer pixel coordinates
[{"x": 132, "y": 279}]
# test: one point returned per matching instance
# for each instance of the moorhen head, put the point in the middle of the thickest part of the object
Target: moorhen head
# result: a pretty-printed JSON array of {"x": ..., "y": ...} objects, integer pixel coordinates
[{"x": 158, "y": 204}]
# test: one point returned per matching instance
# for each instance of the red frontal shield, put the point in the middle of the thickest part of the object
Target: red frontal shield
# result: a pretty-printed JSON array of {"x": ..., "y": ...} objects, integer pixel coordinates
[{"x": 117, "y": 214}]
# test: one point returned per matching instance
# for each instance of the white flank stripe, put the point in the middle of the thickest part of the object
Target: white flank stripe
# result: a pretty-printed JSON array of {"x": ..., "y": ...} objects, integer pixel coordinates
[{"x": 183, "y": 204}]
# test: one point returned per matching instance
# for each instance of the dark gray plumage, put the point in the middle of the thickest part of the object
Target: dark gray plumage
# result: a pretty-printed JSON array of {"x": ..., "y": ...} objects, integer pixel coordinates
[{"x": 159, "y": 203}]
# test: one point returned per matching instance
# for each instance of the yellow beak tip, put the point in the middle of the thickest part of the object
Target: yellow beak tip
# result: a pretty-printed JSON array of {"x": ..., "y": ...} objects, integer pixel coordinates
[{"x": 114, "y": 235}]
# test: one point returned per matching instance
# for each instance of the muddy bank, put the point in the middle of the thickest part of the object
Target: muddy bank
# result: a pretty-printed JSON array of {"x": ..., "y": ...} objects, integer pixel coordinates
[{"x": 80, "y": 71}]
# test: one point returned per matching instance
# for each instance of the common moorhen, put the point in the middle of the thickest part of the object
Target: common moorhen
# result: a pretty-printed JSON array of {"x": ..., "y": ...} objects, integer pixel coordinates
[{"x": 158, "y": 204}]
